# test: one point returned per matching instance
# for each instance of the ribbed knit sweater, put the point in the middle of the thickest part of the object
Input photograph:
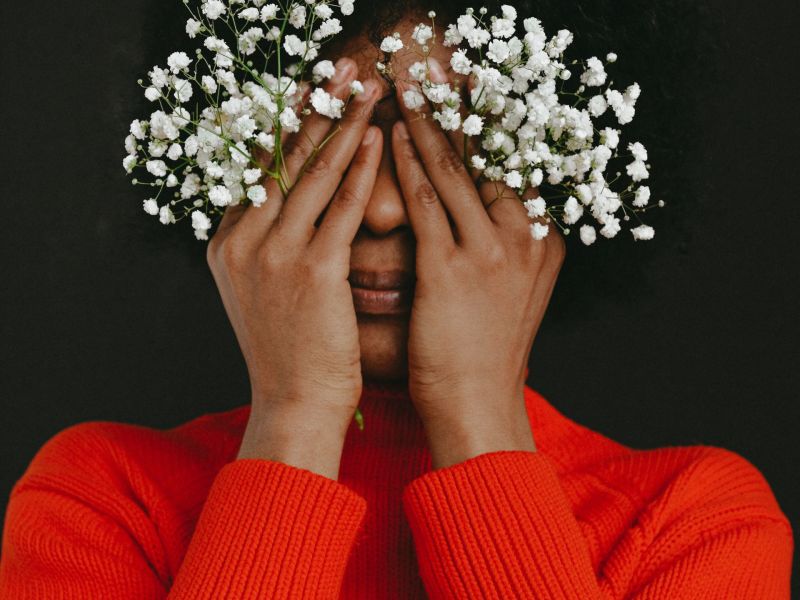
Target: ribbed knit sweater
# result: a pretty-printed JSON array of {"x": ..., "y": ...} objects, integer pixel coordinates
[{"x": 109, "y": 510}]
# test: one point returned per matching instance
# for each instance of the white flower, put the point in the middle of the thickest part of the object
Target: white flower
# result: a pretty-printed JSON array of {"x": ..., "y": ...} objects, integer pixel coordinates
[
  {"x": 643, "y": 232},
  {"x": 539, "y": 231},
  {"x": 477, "y": 37},
  {"x": 156, "y": 167},
  {"x": 502, "y": 28},
  {"x": 329, "y": 27},
  {"x": 588, "y": 234},
  {"x": 293, "y": 45},
  {"x": 209, "y": 84},
  {"x": 346, "y": 7},
  {"x": 610, "y": 227},
  {"x": 219, "y": 195},
  {"x": 324, "y": 69},
  {"x": 637, "y": 170},
  {"x": 325, "y": 104},
  {"x": 573, "y": 211},
  {"x": 251, "y": 176},
  {"x": 257, "y": 195},
  {"x": 611, "y": 57},
  {"x": 422, "y": 33},
  {"x": 323, "y": 11},
  {"x": 478, "y": 162},
  {"x": 391, "y": 44},
  {"x": 268, "y": 12},
  {"x": 138, "y": 129},
  {"x": 183, "y": 90},
  {"x": 413, "y": 99},
  {"x": 638, "y": 151},
  {"x": 190, "y": 186},
  {"x": 642, "y": 196},
  {"x": 201, "y": 224},
  {"x": 449, "y": 118},
  {"x": 513, "y": 179},
  {"x": 129, "y": 162},
  {"x": 473, "y": 125},
  {"x": 213, "y": 9},
  {"x": 498, "y": 51},
  {"x": 150, "y": 206},
  {"x": 297, "y": 16},
  {"x": 460, "y": 63},
  {"x": 152, "y": 94},
  {"x": 165, "y": 215},
  {"x": 418, "y": 71},
  {"x": 584, "y": 193},
  {"x": 250, "y": 14},
  {"x": 609, "y": 137},
  {"x": 175, "y": 151},
  {"x": 193, "y": 28},
  {"x": 537, "y": 176},
  {"x": 356, "y": 87},
  {"x": 536, "y": 207},
  {"x": 289, "y": 120},
  {"x": 595, "y": 73},
  {"x": 597, "y": 105}
]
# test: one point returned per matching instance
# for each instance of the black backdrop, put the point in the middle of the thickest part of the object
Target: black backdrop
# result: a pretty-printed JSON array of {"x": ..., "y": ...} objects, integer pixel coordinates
[{"x": 107, "y": 317}]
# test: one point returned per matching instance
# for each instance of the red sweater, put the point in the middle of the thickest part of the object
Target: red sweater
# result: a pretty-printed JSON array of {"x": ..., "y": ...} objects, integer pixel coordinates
[{"x": 110, "y": 510}]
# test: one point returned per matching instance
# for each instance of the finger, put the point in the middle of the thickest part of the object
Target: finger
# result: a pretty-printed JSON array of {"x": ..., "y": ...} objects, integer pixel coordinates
[
  {"x": 323, "y": 175},
  {"x": 426, "y": 212},
  {"x": 503, "y": 204},
  {"x": 313, "y": 129},
  {"x": 445, "y": 169},
  {"x": 345, "y": 213},
  {"x": 465, "y": 145}
]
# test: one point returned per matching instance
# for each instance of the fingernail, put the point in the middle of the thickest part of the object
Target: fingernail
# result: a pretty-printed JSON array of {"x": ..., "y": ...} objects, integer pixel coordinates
[
  {"x": 402, "y": 130},
  {"x": 437, "y": 71},
  {"x": 369, "y": 137},
  {"x": 342, "y": 67},
  {"x": 369, "y": 91}
]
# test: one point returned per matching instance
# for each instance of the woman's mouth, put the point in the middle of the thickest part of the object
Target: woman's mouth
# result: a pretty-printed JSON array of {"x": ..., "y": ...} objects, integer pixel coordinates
[{"x": 382, "y": 292}]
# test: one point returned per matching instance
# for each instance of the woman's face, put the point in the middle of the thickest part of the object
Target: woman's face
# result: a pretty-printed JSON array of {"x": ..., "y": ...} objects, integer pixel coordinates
[{"x": 383, "y": 250}]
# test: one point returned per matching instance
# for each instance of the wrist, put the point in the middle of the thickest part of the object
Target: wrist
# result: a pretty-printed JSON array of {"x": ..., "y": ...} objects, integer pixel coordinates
[
  {"x": 303, "y": 441},
  {"x": 457, "y": 438}
]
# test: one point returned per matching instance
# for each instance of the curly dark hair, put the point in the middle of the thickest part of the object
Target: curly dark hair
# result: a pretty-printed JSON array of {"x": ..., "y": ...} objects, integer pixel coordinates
[{"x": 668, "y": 47}]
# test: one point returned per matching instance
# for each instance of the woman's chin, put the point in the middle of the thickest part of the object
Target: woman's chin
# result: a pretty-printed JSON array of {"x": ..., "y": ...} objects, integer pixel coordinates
[{"x": 384, "y": 347}]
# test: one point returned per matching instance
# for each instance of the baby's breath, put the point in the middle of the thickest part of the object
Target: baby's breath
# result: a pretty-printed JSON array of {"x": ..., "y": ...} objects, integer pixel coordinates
[{"x": 532, "y": 130}]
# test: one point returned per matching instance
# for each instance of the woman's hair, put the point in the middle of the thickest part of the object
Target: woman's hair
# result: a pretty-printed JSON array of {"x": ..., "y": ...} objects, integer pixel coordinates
[{"x": 665, "y": 46}]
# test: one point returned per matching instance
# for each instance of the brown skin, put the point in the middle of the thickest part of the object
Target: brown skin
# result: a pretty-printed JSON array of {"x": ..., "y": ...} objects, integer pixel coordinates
[{"x": 482, "y": 284}]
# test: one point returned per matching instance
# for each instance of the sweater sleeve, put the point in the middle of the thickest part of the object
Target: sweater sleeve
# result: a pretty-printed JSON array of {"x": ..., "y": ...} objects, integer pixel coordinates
[
  {"x": 499, "y": 525},
  {"x": 266, "y": 530}
]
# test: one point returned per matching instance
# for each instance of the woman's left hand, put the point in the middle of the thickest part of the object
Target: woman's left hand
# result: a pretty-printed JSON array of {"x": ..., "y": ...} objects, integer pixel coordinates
[{"x": 481, "y": 292}]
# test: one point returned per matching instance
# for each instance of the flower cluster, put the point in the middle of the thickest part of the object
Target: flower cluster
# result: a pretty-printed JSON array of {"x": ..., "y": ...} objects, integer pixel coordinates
[
  {"x": 200, "y": 161},
  {"x": 196, "y": 162},
  {"x": 528, "y": 130}
]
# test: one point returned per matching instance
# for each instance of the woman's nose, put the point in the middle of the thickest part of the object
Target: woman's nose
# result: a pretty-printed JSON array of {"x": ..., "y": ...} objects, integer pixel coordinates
[{"x": 386, "y": 209}]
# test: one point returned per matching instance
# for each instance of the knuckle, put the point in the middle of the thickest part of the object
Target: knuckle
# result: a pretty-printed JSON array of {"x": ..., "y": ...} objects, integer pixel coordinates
[
  {"x": 318, "y": 167},
  {"x": 424, "y": 192},
  {"x": 347, "y": 196},
  {"x": 448, "y": 161},
  {"x": 495, "y": 255}
]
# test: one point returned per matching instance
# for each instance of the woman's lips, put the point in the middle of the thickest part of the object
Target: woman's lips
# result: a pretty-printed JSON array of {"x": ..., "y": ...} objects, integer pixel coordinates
[{"x": 382, "y": 292}]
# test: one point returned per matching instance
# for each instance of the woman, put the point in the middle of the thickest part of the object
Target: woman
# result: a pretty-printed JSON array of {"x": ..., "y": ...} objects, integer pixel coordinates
[{"x": 389, "y": 280}]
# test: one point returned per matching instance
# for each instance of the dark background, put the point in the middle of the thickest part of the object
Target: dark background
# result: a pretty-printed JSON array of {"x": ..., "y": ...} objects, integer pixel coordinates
[{"x": 108, "y": 315}]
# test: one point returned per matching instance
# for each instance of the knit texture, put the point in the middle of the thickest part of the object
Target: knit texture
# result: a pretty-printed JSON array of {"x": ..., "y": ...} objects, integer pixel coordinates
[{"x": 112, "y": 510}]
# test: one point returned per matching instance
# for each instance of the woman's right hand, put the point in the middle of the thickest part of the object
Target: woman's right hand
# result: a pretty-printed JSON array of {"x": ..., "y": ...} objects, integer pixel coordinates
[{"x": 284, "y": 284}]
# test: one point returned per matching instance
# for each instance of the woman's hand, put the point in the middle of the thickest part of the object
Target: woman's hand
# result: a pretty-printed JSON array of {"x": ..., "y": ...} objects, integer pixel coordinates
[
  {"x": 284, "y": 285},
  {"x": 481, "y": 292}
]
